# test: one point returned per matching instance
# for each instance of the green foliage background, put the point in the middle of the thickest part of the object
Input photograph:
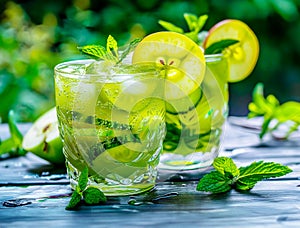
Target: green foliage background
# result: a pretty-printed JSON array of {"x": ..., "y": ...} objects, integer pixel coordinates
[{"x": 36, "y": 35}]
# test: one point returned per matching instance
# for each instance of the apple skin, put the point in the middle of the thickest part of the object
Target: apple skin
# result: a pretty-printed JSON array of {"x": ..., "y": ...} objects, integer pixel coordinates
[
  {"x": 242, "y": 57},
  {"x": 212, "y": 29},
  {"x": 43, "y": 139}
]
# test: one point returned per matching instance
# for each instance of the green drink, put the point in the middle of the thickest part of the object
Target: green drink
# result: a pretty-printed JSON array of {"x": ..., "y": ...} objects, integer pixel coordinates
[
  {"x": 194, "y": 131},
  {"x": 111, "y": 119}
]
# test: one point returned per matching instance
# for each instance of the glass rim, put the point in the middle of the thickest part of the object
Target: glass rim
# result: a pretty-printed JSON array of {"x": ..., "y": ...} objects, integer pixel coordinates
[
  {"x": 213, "y": 57},
  {"x": 59, "y": 69}
]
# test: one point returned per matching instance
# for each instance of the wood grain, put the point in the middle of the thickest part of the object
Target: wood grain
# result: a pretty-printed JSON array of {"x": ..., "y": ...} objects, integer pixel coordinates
[{"x": 174, "y": 202}]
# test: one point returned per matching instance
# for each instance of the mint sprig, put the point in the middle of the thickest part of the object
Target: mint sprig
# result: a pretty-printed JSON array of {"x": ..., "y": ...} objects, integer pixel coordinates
[
  {"x": 227, "y": 175},
  {"x": 110, "y": 52},
  {"x": 91, "y": 195},
  {"x": 195, "y": 25},
  {"x": 272, "y": 110}
]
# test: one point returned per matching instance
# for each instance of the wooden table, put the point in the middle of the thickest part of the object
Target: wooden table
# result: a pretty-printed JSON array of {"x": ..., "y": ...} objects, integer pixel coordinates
[{"x": 33, "y": 193}]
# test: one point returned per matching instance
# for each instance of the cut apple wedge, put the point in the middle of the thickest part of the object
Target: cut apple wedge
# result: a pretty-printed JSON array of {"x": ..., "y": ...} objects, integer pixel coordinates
[{"x": 43, "y": 138}]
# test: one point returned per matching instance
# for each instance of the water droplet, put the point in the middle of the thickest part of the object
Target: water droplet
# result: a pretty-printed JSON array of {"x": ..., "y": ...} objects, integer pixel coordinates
[
  {"x": 16, "y": 203},
  {"x": 165, "y": 196}
]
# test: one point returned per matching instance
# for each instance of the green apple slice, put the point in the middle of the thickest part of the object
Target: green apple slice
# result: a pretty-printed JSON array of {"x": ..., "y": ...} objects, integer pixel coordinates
[
  {"x": 181, "y": 60},
  {"x": 43, "y": 138}
]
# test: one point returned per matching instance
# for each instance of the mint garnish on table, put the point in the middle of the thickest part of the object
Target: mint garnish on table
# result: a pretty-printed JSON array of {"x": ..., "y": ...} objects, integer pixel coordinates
[
  {"x": 227, "y": 175},
  {"x": 91, "y": 195},
  {"x": 272, "y": 110}
]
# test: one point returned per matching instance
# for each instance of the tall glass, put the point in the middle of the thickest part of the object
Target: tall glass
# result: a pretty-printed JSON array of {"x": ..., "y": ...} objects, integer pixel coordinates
[
  {"x": 112, "y": 120},
  {"x": 193, "y": 137}
]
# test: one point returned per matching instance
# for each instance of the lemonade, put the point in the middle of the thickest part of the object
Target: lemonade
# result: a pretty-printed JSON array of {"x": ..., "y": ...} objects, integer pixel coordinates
[{"x": 111, "y": 119}]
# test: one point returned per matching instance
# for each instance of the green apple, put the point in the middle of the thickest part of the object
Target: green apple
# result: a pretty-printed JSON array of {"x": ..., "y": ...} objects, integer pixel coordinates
[{"x": 43, "y": 138}]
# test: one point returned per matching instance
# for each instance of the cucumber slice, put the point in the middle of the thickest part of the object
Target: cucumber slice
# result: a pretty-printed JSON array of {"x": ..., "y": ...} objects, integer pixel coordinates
[
  {"x": 185, "y": 104},
  {"x": 103, "y": 118}
]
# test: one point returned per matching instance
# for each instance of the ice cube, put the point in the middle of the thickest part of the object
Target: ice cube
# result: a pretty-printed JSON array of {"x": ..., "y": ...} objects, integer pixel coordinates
[{"x": 99, "y": 67}]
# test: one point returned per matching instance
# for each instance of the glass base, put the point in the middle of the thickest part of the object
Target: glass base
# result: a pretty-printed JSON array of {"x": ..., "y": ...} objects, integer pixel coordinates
[
  {"x": 197, "y": 160},
  {"x": 113, "y": 187}
]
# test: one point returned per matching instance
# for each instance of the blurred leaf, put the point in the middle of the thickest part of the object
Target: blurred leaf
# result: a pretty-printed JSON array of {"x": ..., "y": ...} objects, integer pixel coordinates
[
  {"x": 272, "y": 110},
  {"x": 13, "y": 129},
  {"x": 7, "y": 145},
  {"x": 195, "y": 23},
  {"x": 191, "y": 20},
  {"x": 170, "y": 27},
  {"x": 288, "y": 111},
  {"x": 13, "y": 144},
  {"x": 286, "y": 8}
]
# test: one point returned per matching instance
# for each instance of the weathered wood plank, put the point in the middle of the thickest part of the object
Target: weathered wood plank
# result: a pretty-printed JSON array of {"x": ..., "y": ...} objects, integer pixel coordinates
[{"x": 271, "y": 203}]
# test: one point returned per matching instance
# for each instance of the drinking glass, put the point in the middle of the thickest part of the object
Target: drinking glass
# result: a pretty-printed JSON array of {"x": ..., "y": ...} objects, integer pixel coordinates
[
  {"x": 111, "y": 120},
  {"x": 194, "y": 136}
]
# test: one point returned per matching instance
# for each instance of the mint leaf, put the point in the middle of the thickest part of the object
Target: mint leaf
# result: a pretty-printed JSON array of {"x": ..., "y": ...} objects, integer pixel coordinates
[
  {"x": 219, "y": 46},
  {"x": 93, "y": 195},
  {"x": 226, "y": 166},
  {"x": 75, "y": 200},
  {"x": 258, "y": 171},
  {"x": 195, "y": 23},
  {"x": 111, "y": 52},
  {"x": 201, "y": 21},
  {"x": 170, "y": 27},
  {"x": 94, "y": 51},
  {"x": 112, "y": 48},
  {"x": 191, "y": 20},
  {"x": 83, "y": 179},
  {"x": 214, "y": 182}
]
